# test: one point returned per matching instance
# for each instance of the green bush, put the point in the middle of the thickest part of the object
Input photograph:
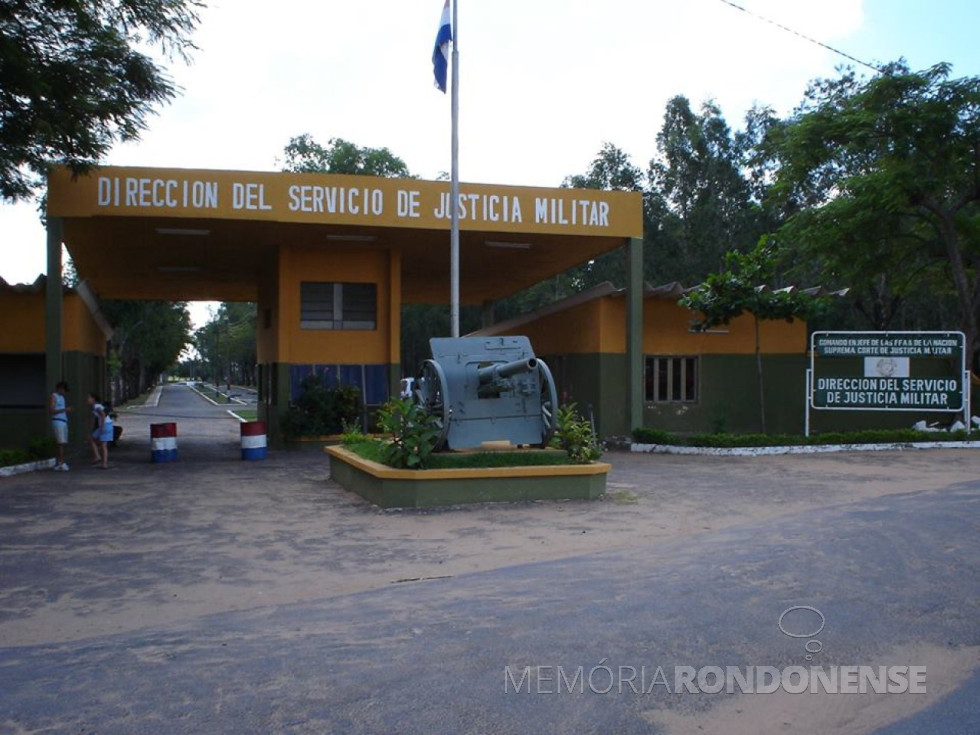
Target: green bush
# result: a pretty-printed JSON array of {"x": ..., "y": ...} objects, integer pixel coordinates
[
  {"x": 10, "y": 457},
  {"x": 655, "y": 436},
  {"x": 871, "y": 436},
  {"x": 414, "y": 433},
  {"x": 574, "y": 434},
  {"x": 42, "y": 447},
  {"x": 37, "y": 449},
  {"x": 372, "y": 449},
  {"x": 319, "y": 410},
  {"x": 351, "y": 434}
]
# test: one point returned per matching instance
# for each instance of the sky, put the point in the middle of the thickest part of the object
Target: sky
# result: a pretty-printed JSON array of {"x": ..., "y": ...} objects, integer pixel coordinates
[{"x": 542, "y": 84}]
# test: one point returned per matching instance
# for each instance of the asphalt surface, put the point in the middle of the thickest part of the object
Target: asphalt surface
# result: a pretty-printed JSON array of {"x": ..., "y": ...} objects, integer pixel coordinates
[{"x": 897, "y": 573}]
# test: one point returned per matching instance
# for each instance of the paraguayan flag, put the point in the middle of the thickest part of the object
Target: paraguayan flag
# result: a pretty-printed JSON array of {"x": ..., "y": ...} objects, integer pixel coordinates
[{"x": 440, "y": 55}]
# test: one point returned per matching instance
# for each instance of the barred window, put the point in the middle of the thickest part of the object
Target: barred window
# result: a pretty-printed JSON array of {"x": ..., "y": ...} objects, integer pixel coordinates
[
  {"x": 671, "y": 379},
  {"x": 338, "y": 305}
]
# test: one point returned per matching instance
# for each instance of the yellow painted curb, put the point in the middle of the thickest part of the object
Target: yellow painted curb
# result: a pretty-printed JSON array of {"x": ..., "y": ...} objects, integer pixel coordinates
[{"x": 471, "y": 473}]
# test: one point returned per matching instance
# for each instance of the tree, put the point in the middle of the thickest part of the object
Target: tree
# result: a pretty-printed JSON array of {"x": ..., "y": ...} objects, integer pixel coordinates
[
  {"x": 700, "y": 203},
  {"x": 147, "y": 340},
  {"x": 885, "y": 177},
  {"x": 611, "y": 170},
  {"x": 305, "y": 155},
  {"x": 745, "y": 286},
  {"x": 73, "y": 82},
  {"x": 227, "y": 343}
]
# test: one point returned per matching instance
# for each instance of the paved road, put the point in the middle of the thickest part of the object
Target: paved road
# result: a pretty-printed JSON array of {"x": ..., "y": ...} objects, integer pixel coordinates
[
  {"x": 205, "y": 432},
  {"x": 221, "y": 597}
]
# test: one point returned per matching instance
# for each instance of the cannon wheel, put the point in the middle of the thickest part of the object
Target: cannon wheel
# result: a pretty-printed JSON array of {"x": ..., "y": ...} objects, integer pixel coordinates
[
  {"x": 549, "y": 404},
  {"x": 432, "y": 393}
]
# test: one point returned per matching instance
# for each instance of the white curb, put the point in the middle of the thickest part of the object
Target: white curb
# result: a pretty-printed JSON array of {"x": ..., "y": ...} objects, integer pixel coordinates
[
  {"x": 153, "y": 400},
  {"x": 805, "y": 449},
  {"x": 20, "y": 469}
]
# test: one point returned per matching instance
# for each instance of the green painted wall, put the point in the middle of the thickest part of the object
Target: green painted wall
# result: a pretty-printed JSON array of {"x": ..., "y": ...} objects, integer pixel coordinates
[
  {"x": 19, "y": 426},
  {"x": 728, "y": 397},
  {"x": 84, "y": 374},
  {"x": 28, "y": 419},
  {"x": 597, "y": 381}
]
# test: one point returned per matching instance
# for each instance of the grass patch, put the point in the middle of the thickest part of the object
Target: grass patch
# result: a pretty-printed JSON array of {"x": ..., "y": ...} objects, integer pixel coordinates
[
  {"x": 370, "y": 449},
  {"x": 37, "y": 449},
  {"x": 210, "y": 393},
  {"x": 873, "y": 436},
  {"x": 247, "y": 414}
]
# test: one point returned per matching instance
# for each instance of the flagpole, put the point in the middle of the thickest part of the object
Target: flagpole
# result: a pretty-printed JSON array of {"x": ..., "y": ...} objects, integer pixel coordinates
[{"x": 454, "y": 184}]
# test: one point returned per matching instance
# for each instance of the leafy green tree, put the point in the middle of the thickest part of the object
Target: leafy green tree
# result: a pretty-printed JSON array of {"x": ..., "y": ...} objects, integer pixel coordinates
[
  {"x": 147, "y": 340},
  {"x": 745, "y": 286},
  {"x": 305, "y": 155},
  {"x": 884, "y": 175},
  {"x": 611, "y": 170},
  {"x": 74, "y": 79},
  {"x": 700, "y": 203},
  {"x": 227, "y": 344}
]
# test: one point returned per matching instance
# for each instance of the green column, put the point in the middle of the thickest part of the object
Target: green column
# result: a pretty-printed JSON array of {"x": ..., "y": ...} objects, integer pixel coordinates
[
  {"x": 486, "y": 314},
  {"x": 52, "y": 306},
  {"x": 278, "y": 402},
  {"x": 634, "y": 332}
]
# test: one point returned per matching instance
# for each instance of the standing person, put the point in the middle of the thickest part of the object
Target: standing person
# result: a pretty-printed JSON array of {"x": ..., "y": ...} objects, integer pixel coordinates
[
  {"x": 102, "y": 432},
  {"x": 58, "y": 410}
]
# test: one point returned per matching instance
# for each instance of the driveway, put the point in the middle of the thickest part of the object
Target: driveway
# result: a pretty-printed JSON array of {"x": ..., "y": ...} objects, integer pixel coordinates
[{"x": 214, "y": 595}]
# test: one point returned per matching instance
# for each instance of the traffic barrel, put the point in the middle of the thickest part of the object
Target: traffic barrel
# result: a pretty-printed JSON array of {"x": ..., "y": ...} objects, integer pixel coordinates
[
  {"x": 253, "y": 440},
  {"x": 163, "y": 442}
]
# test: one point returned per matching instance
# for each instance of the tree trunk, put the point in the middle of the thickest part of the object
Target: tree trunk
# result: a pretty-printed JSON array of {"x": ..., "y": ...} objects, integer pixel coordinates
[
  {"x": 968, "y": 297},
  {"x": 758, "y": 369}
]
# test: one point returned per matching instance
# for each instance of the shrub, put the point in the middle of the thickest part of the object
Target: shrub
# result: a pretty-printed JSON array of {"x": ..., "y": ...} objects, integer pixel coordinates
[
  {"x": 414, "y": 433},
  {"x": 654, "y": 436},
  {"x": 871, "y": 436},
  {"x": 575, "y": 435},
  {"x": 351, "y": 434},
  {"x": 320, "y": 410},
  {"x": 37, "y": 449},
  {"x": 10, "y": 457},
  {"x": 42, "y": 447}
]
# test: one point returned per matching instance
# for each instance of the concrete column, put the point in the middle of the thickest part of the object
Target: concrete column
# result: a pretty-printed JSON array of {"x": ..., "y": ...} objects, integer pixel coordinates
[
  {"x": 395, "y": 324},
  {"x": 486, "y": 315},
  {"x": 634, "y": 332},
  {"x": 278, "y": 401},
  {"x": 53, "y": 297}
]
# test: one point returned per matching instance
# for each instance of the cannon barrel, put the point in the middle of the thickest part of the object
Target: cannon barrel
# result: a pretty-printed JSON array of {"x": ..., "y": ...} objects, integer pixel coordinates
[{"x": 493, "y": 373}]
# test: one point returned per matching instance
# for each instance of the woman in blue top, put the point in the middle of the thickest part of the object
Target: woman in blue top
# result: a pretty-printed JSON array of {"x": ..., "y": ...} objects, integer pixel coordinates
[{"x": 101, "y": 432}]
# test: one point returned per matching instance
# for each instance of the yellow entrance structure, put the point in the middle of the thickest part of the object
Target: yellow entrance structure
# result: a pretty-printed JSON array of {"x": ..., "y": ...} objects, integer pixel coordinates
[{"x": 328, "y": 259}]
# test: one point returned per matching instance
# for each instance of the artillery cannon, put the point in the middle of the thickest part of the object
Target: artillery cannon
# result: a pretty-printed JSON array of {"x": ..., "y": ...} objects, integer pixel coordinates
[{"x": 487, "y": 389}]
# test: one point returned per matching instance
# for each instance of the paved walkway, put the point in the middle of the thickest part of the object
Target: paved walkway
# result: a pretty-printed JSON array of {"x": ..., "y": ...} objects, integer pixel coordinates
[{"x": 219, "y": 596}]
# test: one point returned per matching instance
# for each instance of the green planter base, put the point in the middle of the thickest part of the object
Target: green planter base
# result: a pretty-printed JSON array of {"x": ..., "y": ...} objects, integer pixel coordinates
[{"x": 391, "y": 488}]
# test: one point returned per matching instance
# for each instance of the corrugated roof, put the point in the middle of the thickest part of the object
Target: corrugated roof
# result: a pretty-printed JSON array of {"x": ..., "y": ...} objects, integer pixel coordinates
[
  {"x": 83, "y": 291},
  {"x": 671, "y": 291},
  {"x": 596, "y": 292},
  {"x": 39, "y": 284}
]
